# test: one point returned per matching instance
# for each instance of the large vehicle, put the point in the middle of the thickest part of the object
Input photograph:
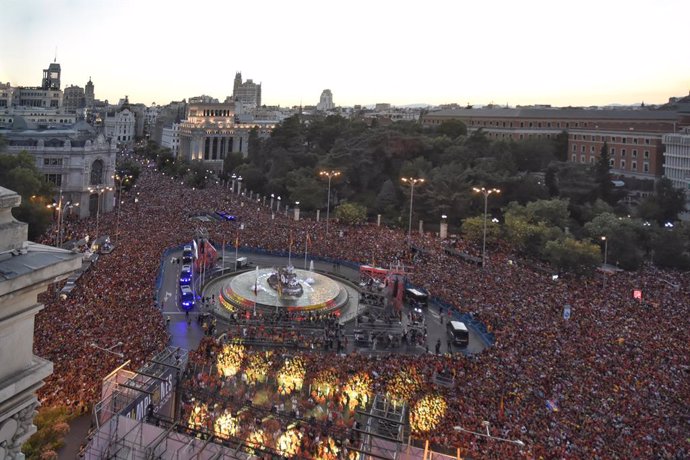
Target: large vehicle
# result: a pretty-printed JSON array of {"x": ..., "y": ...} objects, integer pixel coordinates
[
  {"x": 187, "y": 254},
  {"x": 186, "y": 275},
  {"x": 186, "y": 297},
  {"x": 457, "y": 332},
  {"x": 416, "y": 298}
]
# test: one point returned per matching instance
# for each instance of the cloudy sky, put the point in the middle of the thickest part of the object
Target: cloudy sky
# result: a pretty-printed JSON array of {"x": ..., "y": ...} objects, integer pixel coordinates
[{"x": 401, "y": 52}]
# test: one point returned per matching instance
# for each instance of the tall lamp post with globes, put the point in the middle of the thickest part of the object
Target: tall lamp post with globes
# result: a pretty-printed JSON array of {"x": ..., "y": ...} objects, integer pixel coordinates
[
  {"x": 412, "y": 181},
  {"x": 486, "y": 192},
  {"x": 119, "y": 179},
  {"x": 330, "y": 174},
  {"x": 606, "y": 249},
  {"x": 99, "y": 191}
]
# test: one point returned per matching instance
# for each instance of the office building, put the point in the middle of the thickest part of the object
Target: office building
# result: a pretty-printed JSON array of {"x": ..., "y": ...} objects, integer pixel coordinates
[{"x": 325, "y": 101}]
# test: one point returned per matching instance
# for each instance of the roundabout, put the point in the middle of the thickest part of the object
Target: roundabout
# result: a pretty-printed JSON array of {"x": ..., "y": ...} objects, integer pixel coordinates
[{"x": 281, "y": 290}]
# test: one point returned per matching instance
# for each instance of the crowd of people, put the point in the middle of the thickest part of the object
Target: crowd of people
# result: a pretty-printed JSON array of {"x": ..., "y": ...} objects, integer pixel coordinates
[{"x": 612, "y": 381}]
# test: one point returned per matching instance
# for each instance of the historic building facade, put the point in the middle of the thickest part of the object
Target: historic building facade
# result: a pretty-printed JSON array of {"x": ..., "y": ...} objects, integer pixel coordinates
[
  {"x": 209, "y": 134},
  {"x": 634, "y": 137},
  {"x": 325, "y": 101},
  {"x": 247, "y": 93},
  {"x": 171, "y": 139},
  {"x": 26, "y": 270},
  {"x": 120, "y": 126},
  {"x": 79, "y": 163}
]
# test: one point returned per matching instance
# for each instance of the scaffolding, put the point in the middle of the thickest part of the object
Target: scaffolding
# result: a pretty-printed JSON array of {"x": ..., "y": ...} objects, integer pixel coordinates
[{"x": 381, "y": 429}]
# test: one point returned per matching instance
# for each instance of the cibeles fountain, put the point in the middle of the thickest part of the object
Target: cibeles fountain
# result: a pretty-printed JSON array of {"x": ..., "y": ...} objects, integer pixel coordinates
[{"x": 285, "y": 288}]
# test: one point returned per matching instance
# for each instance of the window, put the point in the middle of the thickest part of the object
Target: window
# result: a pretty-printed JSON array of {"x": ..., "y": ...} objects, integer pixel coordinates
[
  {"x": 634, "y": 140},
  {"x": 622, "y": 153},
  {"x": 54, "y": 178},
  {"x": 582, "y": 158},
  {"x": 646, "y": 141},
  {"x": 591, "y": 159},
  {"x": 646, "y": 154},
  {"x": 622, "y": 164},
  {"x": 584, "y": 148},
  {"x": 633, "y": 166},
  {"x": 52, "y": 162},
  {"x": 97, "y": 172},
  {"x": 634, "y": 153},
  {"x": 645, "y": 167},
  {"x": 611, "y": 162},
  {"x": 591, "y": 149},
  {"x": 574, "y": 157},
  {"x": 625, "y": 139},
  {"x": 613, "y": 151}
]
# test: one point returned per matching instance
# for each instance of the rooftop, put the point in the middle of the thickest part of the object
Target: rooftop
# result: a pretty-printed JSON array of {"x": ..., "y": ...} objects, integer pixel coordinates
[{"x": 564, "y": 113}]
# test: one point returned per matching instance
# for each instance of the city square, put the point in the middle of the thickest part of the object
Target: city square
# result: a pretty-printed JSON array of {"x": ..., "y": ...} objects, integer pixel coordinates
[
  {"x": 307, "y": 230},
  {"x": 597, "y": 334}
]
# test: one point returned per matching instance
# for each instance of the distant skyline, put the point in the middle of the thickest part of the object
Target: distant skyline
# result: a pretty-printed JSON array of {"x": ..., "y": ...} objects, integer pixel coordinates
[{"x": 400, "y": 52}]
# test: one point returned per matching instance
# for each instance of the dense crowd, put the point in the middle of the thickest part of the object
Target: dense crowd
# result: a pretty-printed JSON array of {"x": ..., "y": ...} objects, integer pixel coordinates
[{"x": 613, "y": 381}]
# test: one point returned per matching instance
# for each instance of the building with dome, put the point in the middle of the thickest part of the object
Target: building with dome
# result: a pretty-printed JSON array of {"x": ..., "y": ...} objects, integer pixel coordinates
[{"x": 80, "y": 162}]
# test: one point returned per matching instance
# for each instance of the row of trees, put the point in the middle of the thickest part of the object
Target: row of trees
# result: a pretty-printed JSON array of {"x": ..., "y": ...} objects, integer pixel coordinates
[
  {"x": 534, "y": 178},
  {"x": 541, "y": 229}
]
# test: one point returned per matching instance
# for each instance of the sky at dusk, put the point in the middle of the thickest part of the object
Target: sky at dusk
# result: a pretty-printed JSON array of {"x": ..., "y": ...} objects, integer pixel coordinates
[{"x": 401, "y": 52}]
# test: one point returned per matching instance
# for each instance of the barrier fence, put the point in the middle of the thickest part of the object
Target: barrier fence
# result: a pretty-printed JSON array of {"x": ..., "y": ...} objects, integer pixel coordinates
[{"x": 478, "y": 327}]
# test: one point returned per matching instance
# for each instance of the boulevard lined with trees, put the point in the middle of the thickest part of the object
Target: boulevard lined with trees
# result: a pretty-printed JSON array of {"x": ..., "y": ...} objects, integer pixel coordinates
[{"x": 548, "y": 208}]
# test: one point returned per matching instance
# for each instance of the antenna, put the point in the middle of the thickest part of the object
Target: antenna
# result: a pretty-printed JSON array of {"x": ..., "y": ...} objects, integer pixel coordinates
[{"x": 55, "y": 59}]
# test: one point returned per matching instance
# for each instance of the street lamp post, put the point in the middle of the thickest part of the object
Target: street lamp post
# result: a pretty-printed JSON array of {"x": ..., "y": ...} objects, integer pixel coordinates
[
  {"x": 606, "y": 249},
  {"x": 486, "y": 192},
  {"x": 99, "y": 191},
  {"x": 330, "y": 174},
  {"x": 119, "y": 179},
  {"x": 412, "y": 181},
  {"x": 60, "y": 207}
]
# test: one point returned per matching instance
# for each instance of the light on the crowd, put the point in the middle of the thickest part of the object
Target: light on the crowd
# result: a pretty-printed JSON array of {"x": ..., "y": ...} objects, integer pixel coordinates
[
  {"x": 230, "y": 359},
  {"x": 226, "y": 425},
  {"x": 291, "y": 376},
  {"x": 427, "y": 413},
  {"x": 288, "y": 443},
  {"x": 258, "y": 365},
  {"x": 358, "y": 390}
]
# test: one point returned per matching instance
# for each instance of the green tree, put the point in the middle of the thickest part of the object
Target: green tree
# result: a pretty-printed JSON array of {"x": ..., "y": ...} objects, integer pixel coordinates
[
  {"x": 602, "y": 173},
  {"x": 672, "y": 248},
  {"x": 452, "y": 128},
  {"x": 560, "y": 146},
  {"x": 571, "y": 255},
  {"x": 351, "y": 213},
  {"x": 473, "y": 230},
  {"x": 623, "y": 239},
  {"x": 533, "y": 154},
  {"x": 666, "y": 203},
  {"x": 19, "y": 173}
]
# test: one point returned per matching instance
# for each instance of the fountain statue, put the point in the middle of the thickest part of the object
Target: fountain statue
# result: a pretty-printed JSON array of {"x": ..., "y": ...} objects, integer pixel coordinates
[{"x": 284, "y": 281}]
